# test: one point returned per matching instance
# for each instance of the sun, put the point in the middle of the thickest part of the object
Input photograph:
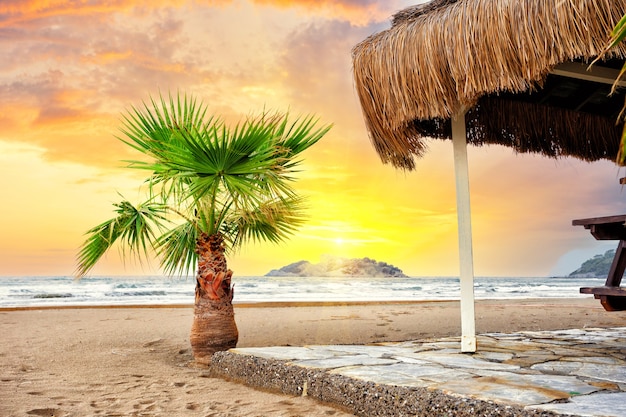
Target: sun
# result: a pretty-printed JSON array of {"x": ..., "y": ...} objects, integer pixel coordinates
[{"x": 339, "y": 241}]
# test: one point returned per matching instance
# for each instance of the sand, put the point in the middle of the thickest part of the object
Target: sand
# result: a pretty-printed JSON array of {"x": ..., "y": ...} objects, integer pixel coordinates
[{"x": 137, "y": 361}]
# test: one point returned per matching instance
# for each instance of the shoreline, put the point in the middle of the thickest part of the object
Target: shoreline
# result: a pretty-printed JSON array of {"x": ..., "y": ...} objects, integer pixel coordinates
[{"x": 278, "y": 304}]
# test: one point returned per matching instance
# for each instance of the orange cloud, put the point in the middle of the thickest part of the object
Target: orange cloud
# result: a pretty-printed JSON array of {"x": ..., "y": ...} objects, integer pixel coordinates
[
  {"x": 49, "y": 7},
  {"x": 16, "y": 11},
  {"x": 359, "y": 12},
  {"x": 108, "y": 57}
]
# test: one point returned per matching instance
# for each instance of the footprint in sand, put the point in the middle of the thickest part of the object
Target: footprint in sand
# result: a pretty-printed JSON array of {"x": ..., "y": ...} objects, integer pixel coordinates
[
  {"x": 145, "y": 405},
  {"x": 105, "y": 403},
  {"x": 49, "y": 412},
  {"x": 152, "y": 343}
]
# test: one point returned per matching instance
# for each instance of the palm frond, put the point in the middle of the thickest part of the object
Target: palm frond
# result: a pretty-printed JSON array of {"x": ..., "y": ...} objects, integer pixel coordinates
[
  {"x": 100, "y": 239},
  {"x": 619, "y": 32},
  {"x": 301, "y": 134},
  {"x": 177, "y": 249},
  {"x": 155, "y": 130},
  {"x": 271, "y": 221},
  {"x": 617, "y": 36},
  {"x": 134, "y": 227},
  {"x": 269, "y": 168}
]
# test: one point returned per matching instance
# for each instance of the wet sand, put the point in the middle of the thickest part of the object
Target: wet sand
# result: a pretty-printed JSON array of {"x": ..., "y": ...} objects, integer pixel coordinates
[{"x": 137, "y": 361}]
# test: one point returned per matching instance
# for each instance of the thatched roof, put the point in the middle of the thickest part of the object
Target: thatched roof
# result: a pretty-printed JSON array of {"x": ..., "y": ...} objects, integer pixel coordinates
[{"x": 491, "y": 58}]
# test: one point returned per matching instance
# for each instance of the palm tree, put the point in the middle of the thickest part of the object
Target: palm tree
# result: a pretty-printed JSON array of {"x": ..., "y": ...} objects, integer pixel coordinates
[{"x": 209, "y": 189}]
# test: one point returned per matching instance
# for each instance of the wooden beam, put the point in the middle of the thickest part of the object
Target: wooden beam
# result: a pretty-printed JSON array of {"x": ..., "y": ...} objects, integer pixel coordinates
[
  {"x": 605, "y": 228},
  {"x": 596, "y": 73},
  {"x": 606, "y": 290}
]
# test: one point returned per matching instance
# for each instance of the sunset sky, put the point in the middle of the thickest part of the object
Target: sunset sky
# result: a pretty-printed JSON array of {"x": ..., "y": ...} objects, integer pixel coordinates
[{"x": 68, "y": 69}]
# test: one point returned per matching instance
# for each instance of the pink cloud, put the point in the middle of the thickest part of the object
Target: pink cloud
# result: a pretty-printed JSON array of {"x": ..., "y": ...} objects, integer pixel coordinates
[{"x": 358, "y": 12}]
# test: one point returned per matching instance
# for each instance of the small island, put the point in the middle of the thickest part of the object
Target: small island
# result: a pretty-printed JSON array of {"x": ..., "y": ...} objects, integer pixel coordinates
[{"x": 331, "y": 266}]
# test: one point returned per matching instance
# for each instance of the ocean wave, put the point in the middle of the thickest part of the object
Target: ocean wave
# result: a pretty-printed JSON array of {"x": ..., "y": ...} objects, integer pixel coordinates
[
  {"x": 54, "y": 291},
  {"x": 135, "y": 294},
  {"x": 43, "y": 296}
]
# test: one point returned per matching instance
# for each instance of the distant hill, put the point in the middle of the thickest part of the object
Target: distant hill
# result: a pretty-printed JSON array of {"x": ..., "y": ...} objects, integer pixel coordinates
[
  {"x": 596, "y": 267},
  {"x": 331, "y": 266}
]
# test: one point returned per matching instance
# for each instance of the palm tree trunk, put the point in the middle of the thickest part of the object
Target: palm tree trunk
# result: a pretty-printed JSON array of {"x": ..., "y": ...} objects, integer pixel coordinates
[{"x": 214, "y": 327}]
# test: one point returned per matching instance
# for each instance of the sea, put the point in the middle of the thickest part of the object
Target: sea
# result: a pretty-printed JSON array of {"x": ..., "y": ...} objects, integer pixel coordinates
[{"x": 42, "y": 291}]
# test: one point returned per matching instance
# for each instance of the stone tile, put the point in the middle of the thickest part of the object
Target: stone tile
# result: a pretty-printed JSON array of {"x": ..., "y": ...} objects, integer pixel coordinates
[
  {"x": 409, "y": 358},
  {"x": 557, "y": 367},
  {"x": 402, "y": 374},
  {"x": 507, "y": 345},
  {"x": 491, "y": 389},
  {"x": 491, "y": 356},
  {"x": 529, "y": 359},
  {"x": 612, "y": 373},
  {"x": 284, "y": 353},
  {"x": 435, "y": 380},
  {"x": 552, "y": 343},
  {"x": 599, "y": 371},
  {"x": 461, "y": 360},
  {"x": 375, "y": 352},
  {"x": 606, "y": 360},
  {"x": 594, "y": 405},
  {"x": 569, "y": 385},
  {"x": 520, "y": 389},
  {"x": 441, "y": 345},
  {"x": 342, "y": 361}
]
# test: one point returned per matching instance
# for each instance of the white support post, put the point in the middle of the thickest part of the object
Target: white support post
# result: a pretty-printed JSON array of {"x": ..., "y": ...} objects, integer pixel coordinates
[{"x": 459, "y": 143}]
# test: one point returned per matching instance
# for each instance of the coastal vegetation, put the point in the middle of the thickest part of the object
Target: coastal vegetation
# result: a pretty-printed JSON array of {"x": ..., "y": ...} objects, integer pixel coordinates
[
  {"x": 596, "y": 267},
  {"x": 209, "y": 189}
]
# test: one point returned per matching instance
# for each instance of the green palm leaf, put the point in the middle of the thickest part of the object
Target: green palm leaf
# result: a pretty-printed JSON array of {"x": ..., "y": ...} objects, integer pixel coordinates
[
  {"x": 271, "y": 221},
  {"x": 133, "y": 226},
  {"x": 619, "y": 32},
  {"x": 177, "y": 249}
]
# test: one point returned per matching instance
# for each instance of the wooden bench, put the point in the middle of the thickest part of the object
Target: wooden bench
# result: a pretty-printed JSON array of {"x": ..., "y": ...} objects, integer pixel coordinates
[{"x": 611, "y": 295}]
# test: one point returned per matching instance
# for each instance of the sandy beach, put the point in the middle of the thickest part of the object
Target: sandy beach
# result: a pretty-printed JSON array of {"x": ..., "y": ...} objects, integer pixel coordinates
[{"x": 137, "y": 361}]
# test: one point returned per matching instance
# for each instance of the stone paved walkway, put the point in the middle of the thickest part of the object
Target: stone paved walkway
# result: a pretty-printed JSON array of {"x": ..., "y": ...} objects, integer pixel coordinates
[{"x": 579, "y": 372}]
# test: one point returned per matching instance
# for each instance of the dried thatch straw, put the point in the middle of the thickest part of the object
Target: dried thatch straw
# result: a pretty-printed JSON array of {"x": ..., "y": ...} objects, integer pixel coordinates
[{"x": 449, "y": 56}]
